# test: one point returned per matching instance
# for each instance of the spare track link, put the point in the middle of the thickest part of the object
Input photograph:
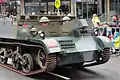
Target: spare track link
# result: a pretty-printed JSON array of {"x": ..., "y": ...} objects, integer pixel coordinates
[{"x": 51, "y": 64}]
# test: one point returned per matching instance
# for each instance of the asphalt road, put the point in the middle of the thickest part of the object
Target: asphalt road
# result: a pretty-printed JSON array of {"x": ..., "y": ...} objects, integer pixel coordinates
[{"x": 108, "y": 71}]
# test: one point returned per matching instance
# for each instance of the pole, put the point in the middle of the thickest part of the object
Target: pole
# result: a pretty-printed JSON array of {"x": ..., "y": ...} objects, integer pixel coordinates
[
  {"x": 87, "y": 7},
  {"x": 15, "y": 7},
  {"x": 4, "y": 10},
  {"x": 1, "y": 8},
  {"x": 9, "y": 7},
  {"x": 39, "y": 6},
  {"x": 47, "y": 5},
  {"x": 22, "y": 6},
  {"x": 99, "y": 6},
  {"x": 108, "y": 10},
  {"x": 82, "y": 9},
  {"x": 118, "y": 7}
]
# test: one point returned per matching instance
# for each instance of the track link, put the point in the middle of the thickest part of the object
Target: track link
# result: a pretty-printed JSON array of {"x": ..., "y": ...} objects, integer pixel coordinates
[
  {"x": 105, "y": 55},
  {"x": 51, "y": 64}
]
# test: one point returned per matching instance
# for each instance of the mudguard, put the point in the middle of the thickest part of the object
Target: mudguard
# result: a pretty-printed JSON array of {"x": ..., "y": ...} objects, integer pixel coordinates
[
  {"x": 51, "y": 45},
  {"x": 104, "y": 42}
]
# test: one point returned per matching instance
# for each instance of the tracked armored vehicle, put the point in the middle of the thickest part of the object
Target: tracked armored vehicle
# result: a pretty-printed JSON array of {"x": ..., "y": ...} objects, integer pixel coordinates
[{"x": 71, "y": 44}]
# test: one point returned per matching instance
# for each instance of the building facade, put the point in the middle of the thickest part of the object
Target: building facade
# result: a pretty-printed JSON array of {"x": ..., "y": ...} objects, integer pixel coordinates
[
  {"x": 79, "y": 8},
  {"x": 111, "y": 7},
  {"x": 42, "y": 6},
  {"x": 115, "y": 6},
  {"x": 85, "y": 8}
]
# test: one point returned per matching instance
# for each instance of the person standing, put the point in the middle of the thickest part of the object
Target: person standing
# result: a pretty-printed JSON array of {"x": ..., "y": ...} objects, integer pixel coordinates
[
  {"x": 115, "y": 23},
  {"x": 95, "y": 20}
]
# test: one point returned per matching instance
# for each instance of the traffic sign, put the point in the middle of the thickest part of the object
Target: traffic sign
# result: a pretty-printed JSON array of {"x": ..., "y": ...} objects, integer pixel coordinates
[{"x": 57, "y": 3}]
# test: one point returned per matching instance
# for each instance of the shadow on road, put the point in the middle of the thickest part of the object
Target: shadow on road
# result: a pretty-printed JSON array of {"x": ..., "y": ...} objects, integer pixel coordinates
[{"x": 74, "y": 74}]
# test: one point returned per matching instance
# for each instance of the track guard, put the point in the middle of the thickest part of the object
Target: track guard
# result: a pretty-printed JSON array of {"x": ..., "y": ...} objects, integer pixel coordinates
[
  {"x": 104, "y": 42},
  {"x": 51, "y": 45}
]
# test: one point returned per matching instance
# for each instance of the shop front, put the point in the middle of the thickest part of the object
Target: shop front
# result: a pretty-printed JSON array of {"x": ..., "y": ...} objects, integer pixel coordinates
[
  {"x": 85, "y": 8},
  {"x": 110, "y": 7},
  {"x": 115, "y": 6},
  {"x": 46, "y": 6}
]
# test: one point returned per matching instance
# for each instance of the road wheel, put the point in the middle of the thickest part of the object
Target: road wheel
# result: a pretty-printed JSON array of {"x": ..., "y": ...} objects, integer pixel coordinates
[
  {"x": 28, "y": 64},
  {"x": 42, "y": 58},
  {"x": 16, "y": 61},
  {"x": 16, "y": 64}
]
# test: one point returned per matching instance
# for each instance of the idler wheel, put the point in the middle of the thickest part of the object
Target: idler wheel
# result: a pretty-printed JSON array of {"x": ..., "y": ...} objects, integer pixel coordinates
[
  {"x": 42, "y": 58},
  {"x": 104, "y": 56},
  {"x": 28, "y": 64}
]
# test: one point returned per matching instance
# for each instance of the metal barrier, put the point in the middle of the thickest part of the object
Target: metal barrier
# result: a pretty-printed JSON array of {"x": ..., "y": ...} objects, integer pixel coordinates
[{"x": 113, "y": 33}]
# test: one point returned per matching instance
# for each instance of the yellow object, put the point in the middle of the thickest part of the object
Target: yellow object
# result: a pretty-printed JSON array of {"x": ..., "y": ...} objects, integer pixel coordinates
[
  {"x": 57, "y": 3},
  {"x": 95, "y": 19},
  {"x": 108, "y": 28},
  {"x": 117, "y": 42}
]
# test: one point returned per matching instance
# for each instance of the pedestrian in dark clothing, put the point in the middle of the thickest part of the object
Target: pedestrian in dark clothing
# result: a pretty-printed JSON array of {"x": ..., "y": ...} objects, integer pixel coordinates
[{"x": 115, "y": 23}]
